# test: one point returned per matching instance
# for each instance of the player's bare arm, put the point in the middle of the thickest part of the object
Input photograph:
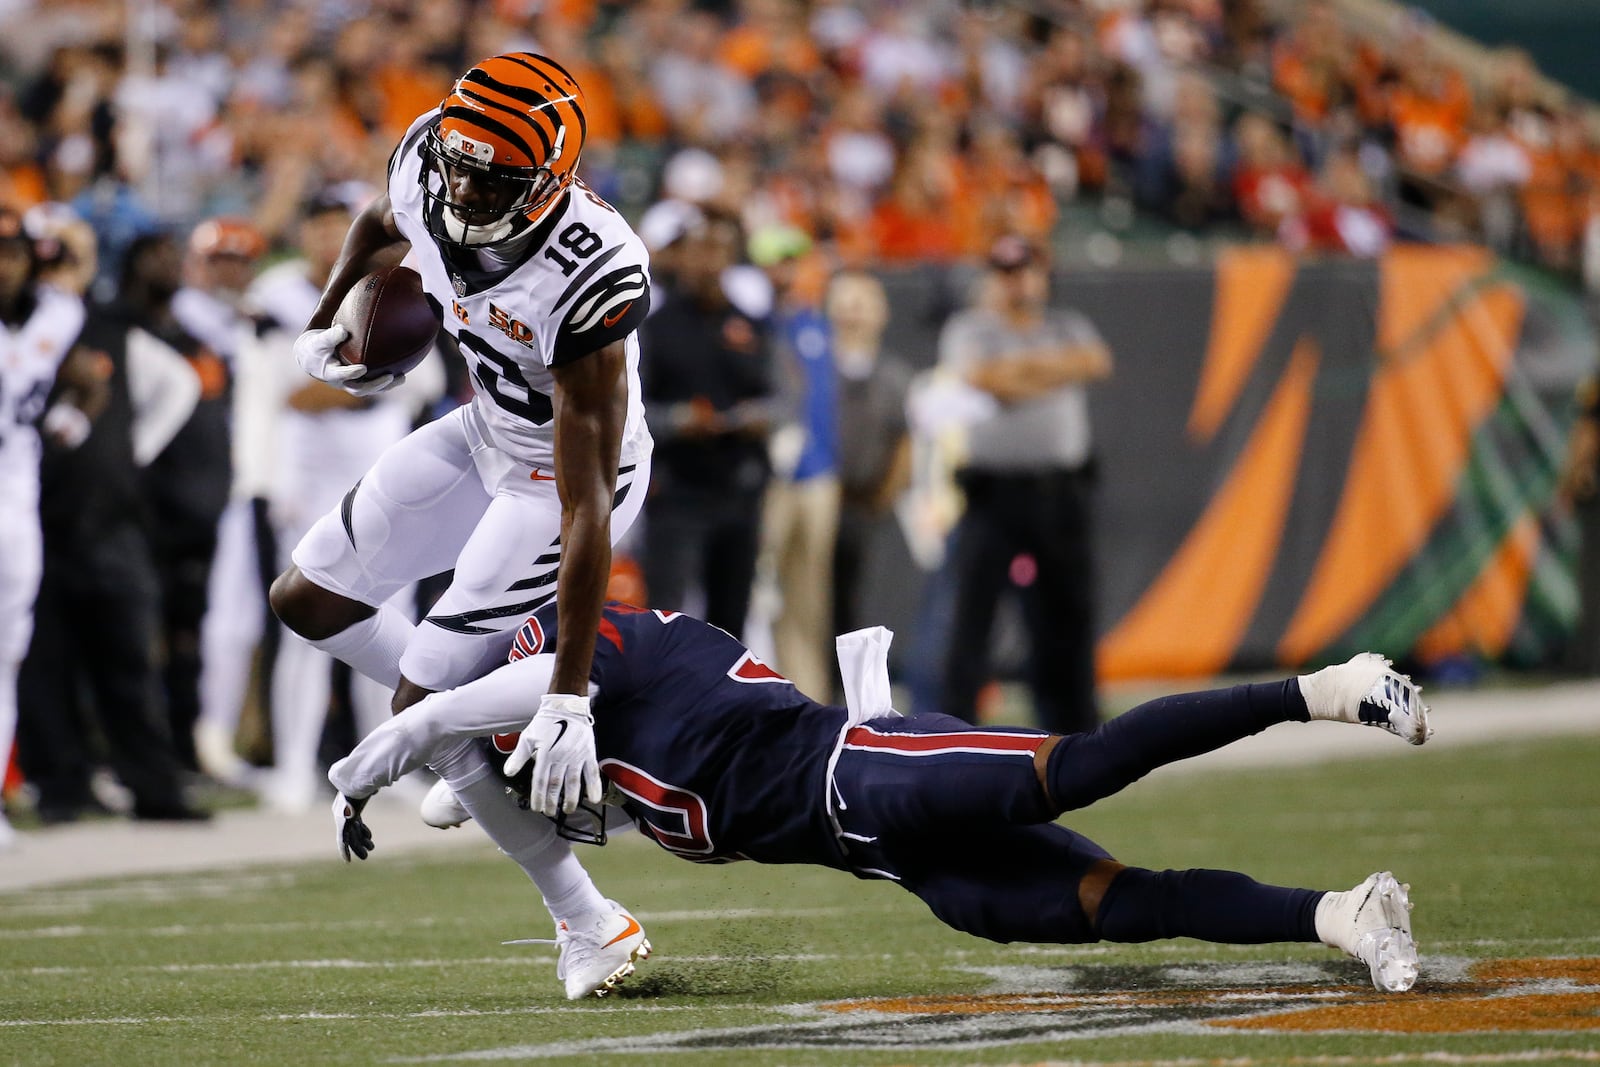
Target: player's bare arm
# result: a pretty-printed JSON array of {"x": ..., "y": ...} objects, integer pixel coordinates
[
  {"x": 590, "y": 406},
  {"x": 590, "y": 409}
]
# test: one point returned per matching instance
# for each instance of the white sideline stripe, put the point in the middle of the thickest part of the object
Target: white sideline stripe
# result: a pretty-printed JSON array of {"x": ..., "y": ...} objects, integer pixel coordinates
[{"x": 518, "y": 960}]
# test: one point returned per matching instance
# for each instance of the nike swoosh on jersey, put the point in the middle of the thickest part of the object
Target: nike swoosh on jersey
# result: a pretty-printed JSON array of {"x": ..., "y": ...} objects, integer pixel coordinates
[
  {"x": 536, "y": 476},
  {"x": 632, "y": 928},
  {"x": 611, "y": 320}
]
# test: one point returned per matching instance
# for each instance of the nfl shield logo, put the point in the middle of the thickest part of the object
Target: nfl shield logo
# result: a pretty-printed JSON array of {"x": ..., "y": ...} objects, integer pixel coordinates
[{"x": 459, "y": 285}]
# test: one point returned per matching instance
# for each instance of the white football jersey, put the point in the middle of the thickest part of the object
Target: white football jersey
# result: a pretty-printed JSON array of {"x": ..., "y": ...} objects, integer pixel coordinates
[
  {"x": 29, "y": 357},
  {"x": 582, "y": 282}
]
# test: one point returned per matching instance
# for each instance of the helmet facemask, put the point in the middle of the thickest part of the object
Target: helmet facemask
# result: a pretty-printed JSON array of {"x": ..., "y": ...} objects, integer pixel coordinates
[{"x": 508, "y": 201}]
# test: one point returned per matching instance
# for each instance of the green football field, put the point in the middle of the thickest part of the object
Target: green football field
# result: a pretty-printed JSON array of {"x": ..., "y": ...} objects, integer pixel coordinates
[{"x": 399, "y": 960}]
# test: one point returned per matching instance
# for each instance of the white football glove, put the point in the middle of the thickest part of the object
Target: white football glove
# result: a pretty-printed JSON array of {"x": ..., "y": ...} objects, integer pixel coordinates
[
  {"x": 350, "y": 834},
  {"x": 315, "y": 351},
  {"x": 560, "y": 742}
]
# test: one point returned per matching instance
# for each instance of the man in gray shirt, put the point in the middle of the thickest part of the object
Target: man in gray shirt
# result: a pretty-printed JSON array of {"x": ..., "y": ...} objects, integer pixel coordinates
[{"x": 1027, "y": 483}]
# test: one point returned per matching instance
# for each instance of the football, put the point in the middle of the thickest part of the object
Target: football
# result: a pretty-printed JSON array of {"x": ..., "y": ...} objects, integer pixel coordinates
[{"x": 391, "y": 322}]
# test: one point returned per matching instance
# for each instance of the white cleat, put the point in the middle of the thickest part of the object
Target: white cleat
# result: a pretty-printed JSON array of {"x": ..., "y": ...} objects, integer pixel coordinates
[
  {"x": 598, "y": 952},
  {"x": 1372, "y": 923},
  {"x": 1367, "y": 690},
  {"x": 441, "y": 809}
]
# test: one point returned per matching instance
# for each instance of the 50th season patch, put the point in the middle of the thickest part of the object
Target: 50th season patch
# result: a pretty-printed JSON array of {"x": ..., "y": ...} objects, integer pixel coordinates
[{"x": 1035, "y": 1004}]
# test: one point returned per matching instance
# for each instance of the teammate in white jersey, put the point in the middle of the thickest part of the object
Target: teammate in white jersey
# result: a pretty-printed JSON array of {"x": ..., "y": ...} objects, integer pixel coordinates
[
  {"x": 521, "y": 492},
  {"x": 222, "y": 258},
  {"x": 38, "y": 327}
]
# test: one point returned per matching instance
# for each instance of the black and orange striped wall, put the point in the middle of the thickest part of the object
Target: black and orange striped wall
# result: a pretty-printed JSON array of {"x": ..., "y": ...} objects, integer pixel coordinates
[{"x": 1305, "y": 457}]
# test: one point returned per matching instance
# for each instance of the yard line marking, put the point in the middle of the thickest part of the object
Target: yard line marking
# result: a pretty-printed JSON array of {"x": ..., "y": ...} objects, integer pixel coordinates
[
  {"x": 193, "y": 929},
  {"x": 431, "y": 1013},
  {"x": 47, "y": 931},
  {"x": 215, "y": 884},
  {"x": 516, "y": 960}
]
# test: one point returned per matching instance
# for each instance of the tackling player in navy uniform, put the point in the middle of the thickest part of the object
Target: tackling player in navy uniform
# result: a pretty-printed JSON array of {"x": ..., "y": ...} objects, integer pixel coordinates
[
  {"x": 521, "y": 492},
  {"x": 717, "y": 757}
]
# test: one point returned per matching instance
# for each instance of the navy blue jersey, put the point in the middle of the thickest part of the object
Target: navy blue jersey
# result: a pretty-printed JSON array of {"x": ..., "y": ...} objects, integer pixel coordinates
[{"x": 719, "y": 756}]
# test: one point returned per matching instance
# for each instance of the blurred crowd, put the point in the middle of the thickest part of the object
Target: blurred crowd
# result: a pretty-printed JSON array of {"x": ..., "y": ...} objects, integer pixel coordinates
[
  {"x": 896, "y": 131},
  {"x": 191, "y": 166}
]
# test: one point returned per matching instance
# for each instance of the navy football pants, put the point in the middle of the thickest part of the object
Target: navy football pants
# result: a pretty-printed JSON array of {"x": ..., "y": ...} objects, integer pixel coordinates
[{"x": 956, "y": 815}]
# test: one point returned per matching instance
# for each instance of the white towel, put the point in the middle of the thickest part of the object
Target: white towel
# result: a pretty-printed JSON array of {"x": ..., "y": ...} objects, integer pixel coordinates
[{"x": 864, "y": 666}]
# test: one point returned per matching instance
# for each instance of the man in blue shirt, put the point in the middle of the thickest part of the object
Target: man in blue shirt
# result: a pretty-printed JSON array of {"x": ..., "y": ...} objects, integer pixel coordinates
[{"x": 800, "y": 520}]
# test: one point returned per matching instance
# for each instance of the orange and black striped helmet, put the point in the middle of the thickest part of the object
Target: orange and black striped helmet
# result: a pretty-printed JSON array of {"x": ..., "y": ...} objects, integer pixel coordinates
[
  {"x": 227, "y": 235},
  {"x": 506, "y": 144}
]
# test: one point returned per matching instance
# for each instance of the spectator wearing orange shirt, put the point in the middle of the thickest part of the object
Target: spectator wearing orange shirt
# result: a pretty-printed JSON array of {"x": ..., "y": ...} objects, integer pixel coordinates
[
  {"x": 1311, "y": 66},
  {"x": 1002, "y": 192},
  {"x": 1429, "y": 110},
  {"x": 22, "y": 183},
  {"x": 410, "y": 78},
  {"x": 914, "y": 221},
  {"x": 620, "y": 69},
  {"x": 1560, "y": 196},
  {"x": 770, "y": 38}
]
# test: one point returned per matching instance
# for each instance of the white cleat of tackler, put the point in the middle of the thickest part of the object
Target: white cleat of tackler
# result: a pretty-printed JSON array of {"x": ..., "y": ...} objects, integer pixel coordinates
[
  {"x": 1372, "y": 923},
  {"x": 1367, "y": 689}
]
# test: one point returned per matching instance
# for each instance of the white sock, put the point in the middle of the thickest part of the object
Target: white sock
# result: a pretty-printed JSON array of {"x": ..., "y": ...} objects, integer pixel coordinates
[
  {"x": 1335, "y": 692},
  {"x": 224, "y": 678},
  {"x": 302, "y": 685},
  {"x": 373, "y": 645},
  {"x": 1330, "y": 903},
  {"x": 370, "y": 704},
  {"x": 529, "y": 840}
]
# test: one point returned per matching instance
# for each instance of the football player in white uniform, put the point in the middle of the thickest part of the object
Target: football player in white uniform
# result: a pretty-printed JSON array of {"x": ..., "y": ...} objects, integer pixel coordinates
[
  {"x": 38, "y": 326},
  {"x": 521, "y": 492},
  {"x": 223, "y": 252}
]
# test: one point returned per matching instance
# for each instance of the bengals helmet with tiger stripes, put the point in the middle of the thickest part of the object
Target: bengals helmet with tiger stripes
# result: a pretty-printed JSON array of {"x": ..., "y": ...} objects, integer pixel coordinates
[{"x": 505, "y": 146}]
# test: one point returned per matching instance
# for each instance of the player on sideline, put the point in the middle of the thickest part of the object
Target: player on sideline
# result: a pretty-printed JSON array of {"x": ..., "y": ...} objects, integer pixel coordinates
[
  {"x": 719, "y": 758},
  {"x": 522, "y": 491},
  {"x": 39, "y": 325}
]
